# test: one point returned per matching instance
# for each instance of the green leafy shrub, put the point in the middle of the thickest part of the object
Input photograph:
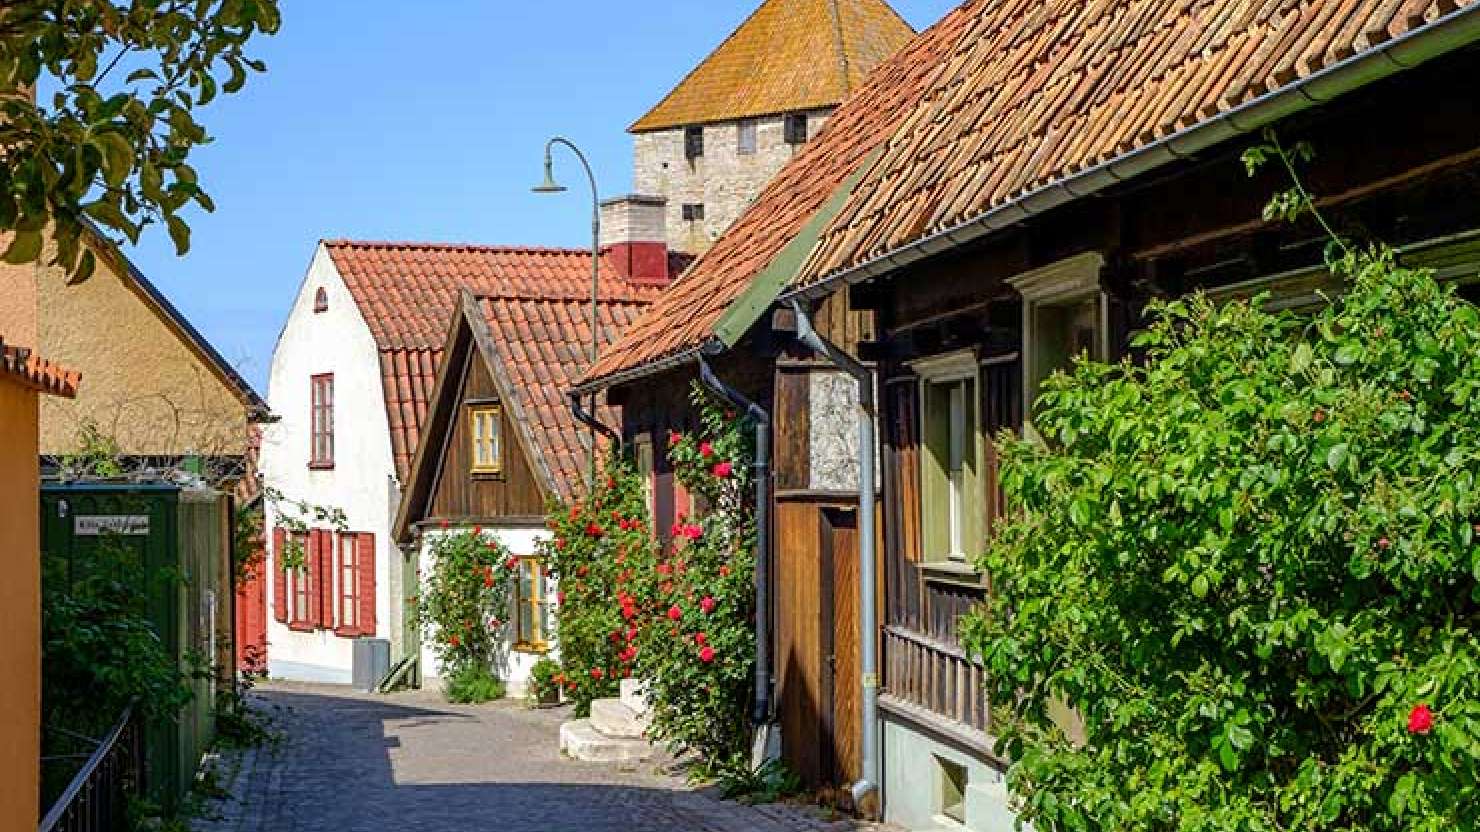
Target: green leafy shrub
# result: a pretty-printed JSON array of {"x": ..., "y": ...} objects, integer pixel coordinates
[
  {"x": 694, "y": 645},
  {"x": 593, "y": 546},
  {"x": 543, "y": 686},
  {"x": 464, "y": 604},
  {"x": 769, "y": 782},
  {"x": 473, "y": 684},
  {"x": 1251, "y": 565}
]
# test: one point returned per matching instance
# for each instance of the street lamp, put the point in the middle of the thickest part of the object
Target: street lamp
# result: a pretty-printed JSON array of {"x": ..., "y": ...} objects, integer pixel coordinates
[{"x": 550, "y": 186}]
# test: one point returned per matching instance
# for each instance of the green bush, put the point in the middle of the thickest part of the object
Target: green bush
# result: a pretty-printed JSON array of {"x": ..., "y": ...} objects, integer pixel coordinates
[
  {"x": 473, "y": 684},
  {"x": 543, "y": 686},
  {"x": 464, "y": 604},
  {"x": 1251, "y": 565}
]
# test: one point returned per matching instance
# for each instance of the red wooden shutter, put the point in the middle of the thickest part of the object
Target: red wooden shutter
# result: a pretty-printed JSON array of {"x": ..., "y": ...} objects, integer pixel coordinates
[
  {"x": 365, "y": 577},
  {"x": 280, "y": 588},
  {"x": 316, "y": 574}
]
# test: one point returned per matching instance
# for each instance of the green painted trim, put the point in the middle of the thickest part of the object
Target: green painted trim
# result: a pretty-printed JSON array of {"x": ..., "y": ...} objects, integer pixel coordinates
[{"x": 782, "y": 270}]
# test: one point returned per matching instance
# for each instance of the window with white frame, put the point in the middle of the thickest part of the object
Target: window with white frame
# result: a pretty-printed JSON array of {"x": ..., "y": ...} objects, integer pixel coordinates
[{"x": 950, "y": 470}]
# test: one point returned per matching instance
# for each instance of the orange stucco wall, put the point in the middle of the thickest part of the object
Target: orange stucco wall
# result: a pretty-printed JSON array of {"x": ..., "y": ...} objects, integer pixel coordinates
[{"x": 20, "y": 608}]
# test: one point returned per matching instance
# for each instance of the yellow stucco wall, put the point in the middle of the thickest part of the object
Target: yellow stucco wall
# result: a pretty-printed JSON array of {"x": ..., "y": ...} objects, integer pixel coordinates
[
  {"x": 20, "y": 608},
  {"x": 143, "y": 384},
  {"x": 17, "y": 301}
]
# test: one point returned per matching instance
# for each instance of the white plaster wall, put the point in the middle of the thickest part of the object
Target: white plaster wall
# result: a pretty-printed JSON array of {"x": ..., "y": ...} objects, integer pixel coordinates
[
  {"x": 913, "y": 788},
  {"x": 519, "y": 541},
  {"x": 363, "y": 481}
]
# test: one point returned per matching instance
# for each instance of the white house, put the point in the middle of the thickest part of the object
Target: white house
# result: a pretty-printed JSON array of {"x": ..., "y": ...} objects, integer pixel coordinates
[{"x": 352, "y": 376}]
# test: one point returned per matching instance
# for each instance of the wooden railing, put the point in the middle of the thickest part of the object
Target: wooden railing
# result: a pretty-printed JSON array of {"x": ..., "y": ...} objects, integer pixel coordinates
[
  {"x": 97, "y": 798},
  {"x": 936, "y": 676}
]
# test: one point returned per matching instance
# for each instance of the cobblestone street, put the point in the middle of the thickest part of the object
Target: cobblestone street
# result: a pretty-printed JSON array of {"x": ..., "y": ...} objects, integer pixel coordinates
[{"x": 350, "y": 762}]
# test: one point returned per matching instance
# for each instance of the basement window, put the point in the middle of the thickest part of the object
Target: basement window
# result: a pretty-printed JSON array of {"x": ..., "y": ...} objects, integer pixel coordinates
[
  {"x": 795, "y": 128},
  {"x": 952, "y": 795},
  {"x": 693, "y": 212},
  {"x": 693, "y": 143}
]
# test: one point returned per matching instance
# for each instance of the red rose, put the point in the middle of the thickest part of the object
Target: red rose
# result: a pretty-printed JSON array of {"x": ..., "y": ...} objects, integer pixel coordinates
[
  {"x": 677, "y": 530},
  {"x": 1420, "y": 720},
  {"x": 701, "y": 639},
  {"x": 575, "y": 511},
  {"x": 560, "y": 544},
  {"x": 674, "y": 437},
  {"x": 674, "y": 613},
  {"x": 581, "y": 571},
  {"x": 707, "y": 604},
  {"x": 454, "y": 640},
  {"x": 560, "y": 598},
  {"x": 632, "y": 634},
  {"x": 597, "y": 673},
  {"x": 723, "y": 469},
  {"x": 1384, "y": 543},
  {"x": 445, "y": 524},
  {"x": 494, "y": 623},
  {"x": 611, "y": 482},
  {"x": 706, "y": 450},
  {"x": 593, "y": 530},
  {"x": 488, "y": 581},
  {"x": 477, "y": 531},
  {"x": 706, "y": 655},
  {"x": 615, "y": 637},
  {"x": 1319, "y": 416},
  {"x": 665, "y": 569},
  {"x": 511, "y": 564}
]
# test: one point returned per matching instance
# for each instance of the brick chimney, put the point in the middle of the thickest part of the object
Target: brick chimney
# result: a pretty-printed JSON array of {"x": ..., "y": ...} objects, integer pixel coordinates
[{"x": 634, "y": 235}]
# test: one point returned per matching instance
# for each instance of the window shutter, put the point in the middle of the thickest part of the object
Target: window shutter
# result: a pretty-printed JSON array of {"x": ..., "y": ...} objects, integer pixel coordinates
[
  {"x": 365, "y": 575},
  {"x": 280, "y": 588},
  {"x": 316, "y": 574}
]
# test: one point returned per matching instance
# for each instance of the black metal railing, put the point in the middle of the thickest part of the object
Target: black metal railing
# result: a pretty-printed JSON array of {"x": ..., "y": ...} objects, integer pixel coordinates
[{"x": 96, "y": 799}]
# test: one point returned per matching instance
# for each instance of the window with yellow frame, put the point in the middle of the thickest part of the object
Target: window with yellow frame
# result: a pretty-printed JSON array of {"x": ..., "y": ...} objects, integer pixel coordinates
[
  {"x": 484, "y": 421},
  {"x": 529, "y": 607}
]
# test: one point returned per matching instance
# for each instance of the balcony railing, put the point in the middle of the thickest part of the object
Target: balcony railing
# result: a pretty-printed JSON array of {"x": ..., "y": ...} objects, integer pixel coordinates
[{"x": 96, "y": 800}]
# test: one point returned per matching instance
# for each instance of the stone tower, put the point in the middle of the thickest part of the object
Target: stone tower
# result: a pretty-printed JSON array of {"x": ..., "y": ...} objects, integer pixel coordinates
[{"x": 713, "y": 142}]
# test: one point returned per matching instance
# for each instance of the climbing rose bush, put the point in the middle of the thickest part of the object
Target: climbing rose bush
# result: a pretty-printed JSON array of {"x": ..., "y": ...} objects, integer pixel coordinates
[
  {"x": 1251, "y": 565},
  {"x": 592, "y": 543},
  {"x": 464, "y": 605},
  {"x": 694, "y": 644}
]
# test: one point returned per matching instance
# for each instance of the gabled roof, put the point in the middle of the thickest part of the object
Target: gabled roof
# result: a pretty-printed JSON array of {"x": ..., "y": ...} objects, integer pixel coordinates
[
  {"x": 408, "y": 293},
  {"x": 789, "y": 55},
  {"x": 166, "y": 311},
  {"x": 1044, "y": 101},
  {"x": 687, "y": 314},
  {"x": 534, "y": 348},
  {"x": 30, "y": 370}
]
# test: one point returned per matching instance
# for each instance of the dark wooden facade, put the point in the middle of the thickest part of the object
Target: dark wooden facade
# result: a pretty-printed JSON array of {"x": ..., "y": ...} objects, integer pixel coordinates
[
  {"x": 513, "y": 496},
  {"x": 1399, "y": 162}
]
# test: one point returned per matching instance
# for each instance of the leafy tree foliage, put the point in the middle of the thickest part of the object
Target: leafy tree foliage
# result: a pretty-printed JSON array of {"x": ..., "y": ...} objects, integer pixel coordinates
[
  {"x": 111, "y": 150},
  {"x": 1251, "y": 565}
]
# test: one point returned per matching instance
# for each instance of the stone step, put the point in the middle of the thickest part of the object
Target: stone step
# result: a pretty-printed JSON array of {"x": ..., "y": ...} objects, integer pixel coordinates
[
  {"x": 633, "y": 696},
  {"x": 581, "y": 741},
  {"x": 614, "y": 719}
]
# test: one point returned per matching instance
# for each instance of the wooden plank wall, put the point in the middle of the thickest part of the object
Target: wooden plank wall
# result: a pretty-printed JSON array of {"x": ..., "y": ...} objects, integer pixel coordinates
[{"x": 460, "y": 496}]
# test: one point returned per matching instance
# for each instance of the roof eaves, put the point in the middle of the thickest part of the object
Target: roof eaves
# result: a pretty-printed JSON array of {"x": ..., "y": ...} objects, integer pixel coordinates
[
  {"x": 641, "y": 371},
  {"x": 1441, "y": 36}
]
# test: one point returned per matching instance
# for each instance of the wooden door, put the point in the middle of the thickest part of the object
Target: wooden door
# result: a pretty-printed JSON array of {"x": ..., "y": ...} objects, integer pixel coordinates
[{"x": 842, "y": 693}]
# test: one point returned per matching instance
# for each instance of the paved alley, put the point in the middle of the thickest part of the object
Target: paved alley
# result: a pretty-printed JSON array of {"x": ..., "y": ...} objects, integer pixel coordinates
[{"x": 350, "y": 762}]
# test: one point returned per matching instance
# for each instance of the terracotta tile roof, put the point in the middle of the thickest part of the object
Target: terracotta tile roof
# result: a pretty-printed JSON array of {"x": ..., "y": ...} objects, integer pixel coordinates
[
  {"x": 789, "y": 55},
  {"x": 408, "y": 292},
  {"x": 24, "y": 366},
  {"x": 685, "y": 316},
  {"x": 1040, "y": 90},
  {"x": 541, "y": 346}
]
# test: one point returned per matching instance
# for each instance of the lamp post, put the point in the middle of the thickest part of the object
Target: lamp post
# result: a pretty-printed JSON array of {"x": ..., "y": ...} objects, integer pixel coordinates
[{"x": 550, "y": 186}]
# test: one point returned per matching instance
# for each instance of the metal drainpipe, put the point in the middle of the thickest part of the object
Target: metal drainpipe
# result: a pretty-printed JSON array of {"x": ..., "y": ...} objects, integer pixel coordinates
[
  {"x": 590, "y": 421},
  {"x": 868, "y": 614},
  {"x": 762, "y": 419}
]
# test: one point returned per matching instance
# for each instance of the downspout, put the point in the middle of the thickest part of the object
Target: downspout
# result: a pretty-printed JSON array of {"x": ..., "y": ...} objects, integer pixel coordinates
[
  {"x": 586, "y": 418},
  {"x": 762, "y": 714},
  {"x": 868, "y": 614}
]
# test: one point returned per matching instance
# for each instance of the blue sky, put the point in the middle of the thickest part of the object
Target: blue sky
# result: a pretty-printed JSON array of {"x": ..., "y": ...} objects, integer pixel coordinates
[{"x": 383, "y": 119}]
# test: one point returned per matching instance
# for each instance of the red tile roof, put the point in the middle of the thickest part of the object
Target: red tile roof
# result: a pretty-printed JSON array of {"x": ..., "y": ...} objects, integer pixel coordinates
[
  {"x": 685, "y": 316},
  {"x": 408, "y": 292},
  {"x": 541, "y": 346},
  {"x": 1040, "y": 90},
  {"x": 22, "y": 365}
]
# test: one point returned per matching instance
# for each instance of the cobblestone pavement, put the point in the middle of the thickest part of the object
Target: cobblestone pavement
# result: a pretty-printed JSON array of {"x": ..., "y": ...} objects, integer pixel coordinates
[{"x": 410, "y": 762}]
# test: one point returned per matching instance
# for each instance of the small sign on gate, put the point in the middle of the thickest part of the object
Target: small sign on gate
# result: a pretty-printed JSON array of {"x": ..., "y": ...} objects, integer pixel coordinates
[{"x": 96, "y": 525}]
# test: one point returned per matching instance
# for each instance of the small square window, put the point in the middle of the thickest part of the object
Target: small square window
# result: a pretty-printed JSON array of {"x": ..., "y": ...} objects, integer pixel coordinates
[
  {"x": 693, "y": 212},
  {"x": 484, "y": 430},
  {"x": 693, "y": 142},
  {"x": 746, "y": 139},
  {"x": 796, "y": 128}
]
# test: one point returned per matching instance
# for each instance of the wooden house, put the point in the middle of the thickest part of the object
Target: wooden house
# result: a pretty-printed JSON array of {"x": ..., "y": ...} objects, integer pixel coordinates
[{"x": 1054, "y": 167}]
